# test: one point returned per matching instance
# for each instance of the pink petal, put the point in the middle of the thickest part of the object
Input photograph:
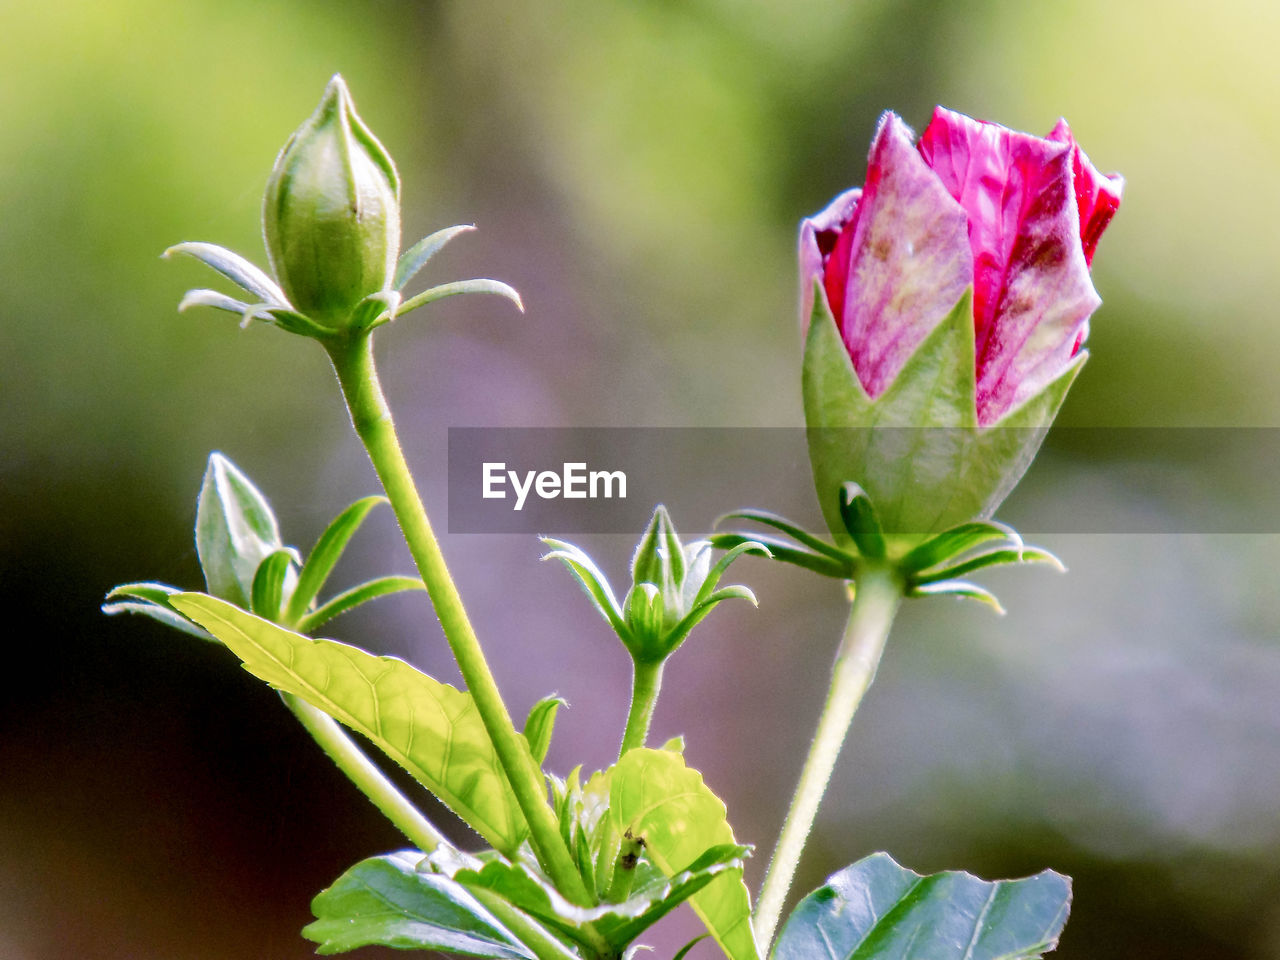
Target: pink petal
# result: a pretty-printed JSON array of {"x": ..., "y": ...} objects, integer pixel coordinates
[
  {"x": 1032, "y": 292},
  {"x": 819, "y": 235},
  {"x": 900, "y": 264},
  {"x": 1097, "y": 195}
]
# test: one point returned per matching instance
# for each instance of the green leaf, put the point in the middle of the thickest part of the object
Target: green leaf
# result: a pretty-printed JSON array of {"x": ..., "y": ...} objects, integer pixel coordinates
[
  {"x": 797, "y": 533},
  {"x": 951, "y": 543},
  {"x": 722, "y": 565},
  {"x": 659, "y": 799},
  {"x": 539, "y": 725},
  {"x": 428, "y": 727},
  {"x": 152, "y": 600},
  {"x": 958, "y": 588},
  {"x": 235, "y": 268},
  {"x": 350, "y": 599},
  {"x": 877, "y": 910},
  {"x": 219, "y": 301},
  {"x": 388, "y": 902},
  {"x": 269, "y": 584},
  {"x": 461, "y": 286},
  {"x": 858, "y": 515},
  {"x": 416, "y": 257},
  {"x": 235, "y": 531},
  {"x": 325, "y": 554},
  {"x": 786, "y": 552}
]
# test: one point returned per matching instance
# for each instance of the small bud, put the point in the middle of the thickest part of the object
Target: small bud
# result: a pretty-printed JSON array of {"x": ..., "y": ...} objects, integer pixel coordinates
[{"x": 331, "y": 214}]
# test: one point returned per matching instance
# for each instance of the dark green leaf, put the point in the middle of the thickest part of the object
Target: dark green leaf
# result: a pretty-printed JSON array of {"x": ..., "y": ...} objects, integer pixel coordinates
[
  {"x": 388, "y": 902},
  {"x": 416, "y": 257},
  {"x": 858, "y": 515},
  {"x": 684, "y": 951},
  {"x": 350, "y": 599},
  {"x": 430, "y": 728},
  {"x": 877, "y": 910},
  {"x": 325, "y": 554},
  {"x": 799, "y": 534},
  {"x": 539, "y": 725},
  {"x": 789, "y": 553},
  {"x": 990, "y": 558},
  {"x": 957, "y": 540}
]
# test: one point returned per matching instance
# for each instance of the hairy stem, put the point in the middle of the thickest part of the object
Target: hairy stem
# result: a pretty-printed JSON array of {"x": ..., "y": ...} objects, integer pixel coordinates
[
  {"x": 646, "y": 681},
  {"x": 352, "y": 357},
  {"x": 362, "y": 771},
  {"x": 874, "y": 605}
]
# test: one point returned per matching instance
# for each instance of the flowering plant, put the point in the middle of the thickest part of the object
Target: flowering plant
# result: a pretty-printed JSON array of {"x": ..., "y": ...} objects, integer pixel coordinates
[{"x": 952, "y": 291}]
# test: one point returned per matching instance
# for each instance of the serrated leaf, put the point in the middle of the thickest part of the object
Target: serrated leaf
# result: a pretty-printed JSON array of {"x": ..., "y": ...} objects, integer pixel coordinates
[
  {"x": 235, "y": 531},
  {"x": 430, "y": 728},
  {"x": 388, "y": 902},
  {"x": 235, "y": 268},
  {"x": 960, "y": 539},
  {"x": 461, "y": 286},
  {"x": 350, "y": 599},
  {"x": 878, "y": 910},
  {"x": 540, "y": 724},
  {"x": 416, "y": 257},
  {"x": 325, "y": 555},
  {"x": 655, "y": 796}
]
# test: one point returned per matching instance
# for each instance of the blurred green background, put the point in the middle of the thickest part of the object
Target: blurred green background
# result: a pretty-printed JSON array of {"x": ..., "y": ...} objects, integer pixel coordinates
[{"x": 637, "y": 170}]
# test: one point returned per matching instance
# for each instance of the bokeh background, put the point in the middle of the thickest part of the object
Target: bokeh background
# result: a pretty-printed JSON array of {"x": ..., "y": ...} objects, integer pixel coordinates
[{"x": 637, "y": 170}]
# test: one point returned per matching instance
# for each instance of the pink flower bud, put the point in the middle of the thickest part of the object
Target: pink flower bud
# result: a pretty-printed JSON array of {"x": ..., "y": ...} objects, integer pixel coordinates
[{"x": 1014, "y": 216}]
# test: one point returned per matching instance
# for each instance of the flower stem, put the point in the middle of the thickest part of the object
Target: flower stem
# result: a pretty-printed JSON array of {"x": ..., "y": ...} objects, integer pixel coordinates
[
  {"x": 373, "y": 783},
  {"x": 352, "y": 357},
  {"x": 875, "y": 603},
  {"x": 646, "y": 681}
]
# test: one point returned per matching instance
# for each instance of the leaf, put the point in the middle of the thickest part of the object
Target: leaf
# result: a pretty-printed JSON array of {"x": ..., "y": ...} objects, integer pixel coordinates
[
  {"x": 858, "y": 515},
  {"x": 958, "y": 588},
  {"x": 799, "y": 534},
  {"x": 461, "y": 286},
  {"x": 592, "y": 580},
  {"x": 235, "y": 531},
  {"x": 212, "y": 298},
  {"x": 877, "y": 910},
  {"x": 416, "y": 257},
  {"x": 235, "y": 268},
  {"x": 350, "y": 599},
  {"x": 655, "y": 796},
  {"x": 428, "y": 727},
  {"x": 325, "y": 555},
  {"x": 152, "y": 600},
  {"x": 269, "y": 585},
  {"x": 387, "y": 901},
  {"x": 539, "y": 725},
  {"x": 786, "y": 552},
  {"x": 990, "y": 558}
]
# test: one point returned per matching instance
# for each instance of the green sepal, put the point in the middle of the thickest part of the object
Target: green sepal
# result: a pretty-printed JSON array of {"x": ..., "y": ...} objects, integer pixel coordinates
[
  {"x": 950, "y": 544},
  {"x": 858, "y": 516},
  {"x": 152, "y": 600},
  {"x": 416, "y": 257},
  {"x": 430, "y": 728},
  {"x": 235, "y": 268},
  {"x": 878, "y": 910},
  {"x": 989, "y": 558},
  {"x": 457, "y": 287},
  {"x": 269, "y": 584},
  {"x": 387, "y": 901},
  {"x": 780, "y": 549},
  {"x": 235, "y": 531},
  {"x": 540, "y": 723},
  {"x": 917, "y": 449}
]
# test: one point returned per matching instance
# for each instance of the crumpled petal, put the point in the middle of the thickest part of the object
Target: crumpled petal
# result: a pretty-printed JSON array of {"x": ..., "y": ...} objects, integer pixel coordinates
[
  {"x": 1032, "y": 292},
  {"x": 1097, "y": 194},
  {"x": 899, "y": 263}
]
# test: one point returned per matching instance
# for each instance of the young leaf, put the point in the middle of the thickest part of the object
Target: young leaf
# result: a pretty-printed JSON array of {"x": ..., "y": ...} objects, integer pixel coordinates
[
  {"x": 990, "y": 558},
  {"x": 350, "y": 599},
  {"x": 958, "y": 540},
  {"x": 386, "y": 901},
  {"x": 859, "y": 518},
  {"x": 655, "y": 796},
  {"x": 235, "y": 268},
  {"x": 152, "y": 600},
  {"x": 958, "y": 588},
  {"x": 540, "y": 723},
  {"x": 428, "y": 727},
  {"x": 799, "y": 534},
  {"x": 269, "y": 584},
  {"x": 325, "y": 554},
  {"x": 461, "y": 286},
  {"x": 877, "y": 910},
  {"x": 235, "y": 531},
  {"x": 785, "y": 552},
  {"x": 593, "y": 581}
]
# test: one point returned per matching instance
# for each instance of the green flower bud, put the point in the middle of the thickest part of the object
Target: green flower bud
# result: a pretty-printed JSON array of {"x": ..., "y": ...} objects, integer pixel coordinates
[{"x": 331, "y": 214}]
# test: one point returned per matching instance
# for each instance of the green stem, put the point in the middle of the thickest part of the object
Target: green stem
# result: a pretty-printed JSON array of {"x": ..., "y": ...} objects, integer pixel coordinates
[
  {"x": 352, "y": 358},
  {"x": 646, "y": 681},
  {"x": 875, "y": 603},
  {"x": 373, "y": 783}
]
